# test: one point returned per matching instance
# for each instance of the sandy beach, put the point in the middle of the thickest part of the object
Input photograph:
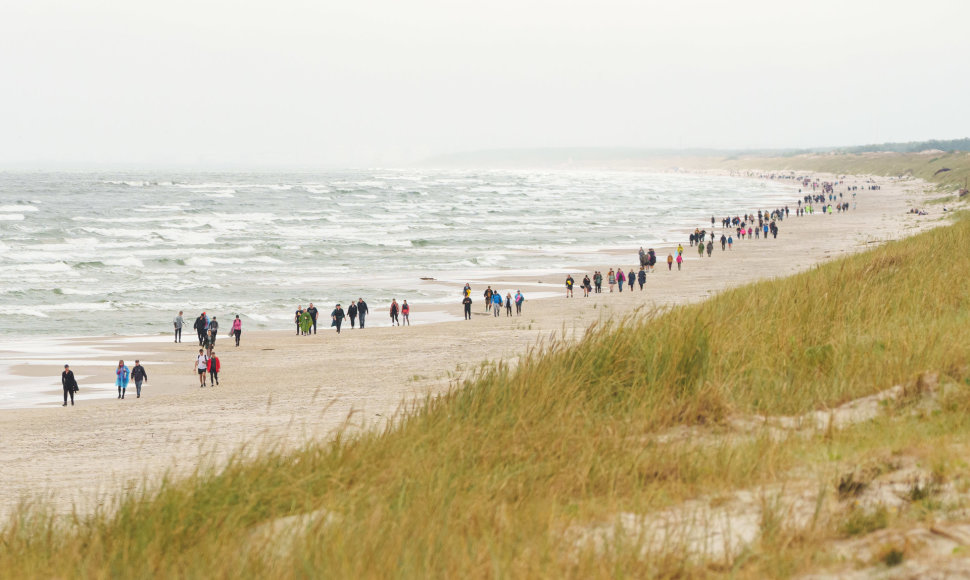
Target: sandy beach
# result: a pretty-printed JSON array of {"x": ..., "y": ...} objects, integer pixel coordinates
[{"x": 281, "y": 389}]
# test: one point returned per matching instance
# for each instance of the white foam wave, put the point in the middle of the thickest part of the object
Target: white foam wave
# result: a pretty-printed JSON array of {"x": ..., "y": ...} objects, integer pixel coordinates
[
  {"x": 17, "y": 208},
  {"x": 48, "y": 267},
  {"x": 127, "y": 262},
  {"x": 12, "y": 217}
]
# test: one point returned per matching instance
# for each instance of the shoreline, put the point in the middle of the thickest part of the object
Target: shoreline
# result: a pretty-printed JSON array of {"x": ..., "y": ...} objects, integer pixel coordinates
[
  {"x": 285, "y": 391},
  {"x": 540, "y": 284}
]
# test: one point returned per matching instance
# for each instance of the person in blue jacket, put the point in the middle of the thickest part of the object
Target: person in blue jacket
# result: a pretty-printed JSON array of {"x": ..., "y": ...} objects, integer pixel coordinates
[
  {"x": 497, "y": 303},
  {"x": 122, "y": 376}
]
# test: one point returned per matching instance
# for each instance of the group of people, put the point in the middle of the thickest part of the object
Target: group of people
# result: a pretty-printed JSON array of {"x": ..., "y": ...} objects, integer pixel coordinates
[
  {"x": 306, "y": 319},
  {"x": 123, "y": 376},
  {"x": 207, "y": 329},
  {"x": 493, "y": 301},
  {"x": 747, "y": 226}
]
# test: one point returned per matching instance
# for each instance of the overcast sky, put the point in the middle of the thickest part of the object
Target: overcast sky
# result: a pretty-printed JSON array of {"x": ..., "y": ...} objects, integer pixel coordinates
[{"x": 320, "y": 83}]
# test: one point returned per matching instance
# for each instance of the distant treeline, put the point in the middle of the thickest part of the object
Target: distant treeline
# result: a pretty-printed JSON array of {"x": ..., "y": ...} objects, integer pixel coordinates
[{"x": 950, "y": 145}]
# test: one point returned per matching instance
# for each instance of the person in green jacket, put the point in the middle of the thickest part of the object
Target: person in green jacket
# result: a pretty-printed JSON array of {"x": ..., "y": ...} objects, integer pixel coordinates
[{"x": 306, "y": 322}]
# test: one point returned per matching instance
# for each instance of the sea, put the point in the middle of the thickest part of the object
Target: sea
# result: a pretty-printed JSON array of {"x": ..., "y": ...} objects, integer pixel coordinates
[
  {"x": 120, "y": 253},
  {"x": 93, "y": 260}
]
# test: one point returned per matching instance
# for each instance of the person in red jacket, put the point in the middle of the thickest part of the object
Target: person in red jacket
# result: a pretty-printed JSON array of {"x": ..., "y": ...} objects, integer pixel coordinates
[{"x": 214, "y": 367}]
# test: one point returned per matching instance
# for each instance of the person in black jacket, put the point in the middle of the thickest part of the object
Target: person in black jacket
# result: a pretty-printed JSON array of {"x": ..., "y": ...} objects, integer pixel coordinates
[
  {"x": 352, "y": 312},
  {"x": 138, "y": 375},
  {"x": 199, "y": 327},
  {"x": 69, "y": 384},
  {"x": 312, "y": 311},
  {"x": 361, "y": 311},
  {"x": 338, "y": 317}
]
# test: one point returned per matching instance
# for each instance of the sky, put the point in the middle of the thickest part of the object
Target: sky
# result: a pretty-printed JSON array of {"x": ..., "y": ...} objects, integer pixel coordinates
[{"x": 322, "y": 84}]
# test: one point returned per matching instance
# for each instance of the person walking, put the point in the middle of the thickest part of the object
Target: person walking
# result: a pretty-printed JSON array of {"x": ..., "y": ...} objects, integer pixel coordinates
[
  {"x": 312, "y": 311},
  {"x": 179, "y": 322},
  {"x": 620, "y": 278},
  {"x": 642, "y": 277},
  {"x": 508, "y": 304},
  {"x": 214, "y": 366},
  {"x": 202, "y": 365},
  {"x": 138, "y": 375},
  {"x": 406, "y": 313},
  {"x": 488, "y": 298},
  {"x": 69, "y": 383},
  {"x": 497, "y": 304},
  {"x": 611, "y": 279},
  {"x": 361, "y": 311},
  {"x": 213, "y": 331},
  {"x": 122, "y": 376},
  {"x": 236, "y": 329},
  {"x": 306, "y": 321},
  {"x": 630, "y": 279},
  {"x": 338, "y": 317},
  {"x": 352, "y": 313},
  {"x": 519, "y": 299},
  {"x": 569, "y": 285},
  {"x": 297, "y": 316},
  {"x": 199, "y": 327},
  {"x": 680, "y": 260},
  {"x": 466, "y": 302},
  {"x": 394, "y": 311}
]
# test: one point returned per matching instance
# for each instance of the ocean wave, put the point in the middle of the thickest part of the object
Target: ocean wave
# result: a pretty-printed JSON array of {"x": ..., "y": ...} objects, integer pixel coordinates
[
  {"x": 12, "y": 217},
  {"x": 127, "y": 262},
  {"x": 45, "y": 267},
  {"x": 17, "y": 208}
]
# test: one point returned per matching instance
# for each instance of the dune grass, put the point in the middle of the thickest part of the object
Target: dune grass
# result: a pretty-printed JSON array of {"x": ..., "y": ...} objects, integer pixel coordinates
[
  {"x": 950, "y": 171},
  {"x": 488, "y": 479}
]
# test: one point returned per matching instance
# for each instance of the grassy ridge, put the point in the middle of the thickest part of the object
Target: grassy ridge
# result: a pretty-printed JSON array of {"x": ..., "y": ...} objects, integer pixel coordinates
[
  {"x": 488, "y": 479},
  {"x": 921, "y": 165}
]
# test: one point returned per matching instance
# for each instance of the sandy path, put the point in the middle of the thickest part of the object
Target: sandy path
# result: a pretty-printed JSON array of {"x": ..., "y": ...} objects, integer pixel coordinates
[{"x": 282, "y": 389}]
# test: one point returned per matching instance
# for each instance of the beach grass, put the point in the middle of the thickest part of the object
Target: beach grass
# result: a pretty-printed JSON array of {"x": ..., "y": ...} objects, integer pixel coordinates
[
  {"x": 948, "y": 170},
  {"x": 525, "y": 471}
]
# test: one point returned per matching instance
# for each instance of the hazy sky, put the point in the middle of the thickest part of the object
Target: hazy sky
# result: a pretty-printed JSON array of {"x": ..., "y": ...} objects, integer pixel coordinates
[{"x": 357, "y": 82}]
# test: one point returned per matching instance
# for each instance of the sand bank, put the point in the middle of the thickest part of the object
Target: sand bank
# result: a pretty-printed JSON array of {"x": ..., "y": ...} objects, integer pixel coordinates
[{"x": 281, "y": 389}]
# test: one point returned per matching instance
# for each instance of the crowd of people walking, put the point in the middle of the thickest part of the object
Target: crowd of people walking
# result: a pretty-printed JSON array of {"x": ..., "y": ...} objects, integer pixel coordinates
[{"x": 761, "y": 224}]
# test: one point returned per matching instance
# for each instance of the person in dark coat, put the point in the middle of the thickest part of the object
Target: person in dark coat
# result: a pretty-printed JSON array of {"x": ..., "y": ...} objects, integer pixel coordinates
[
  {"x": 361, "y": 311},
  {"x": 352, "y": 312},
  {"x": 338, "y": 317},
  {"x": 69, "y": 384},
  {"x": 199, "y": 327},
  {"x": 138, "y": 375},
  {"x": 312, "y": 311}
]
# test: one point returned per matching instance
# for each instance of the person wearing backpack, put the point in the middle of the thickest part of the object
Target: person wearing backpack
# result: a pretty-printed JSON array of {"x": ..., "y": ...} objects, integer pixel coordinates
[{"x": 202, "y": 365}]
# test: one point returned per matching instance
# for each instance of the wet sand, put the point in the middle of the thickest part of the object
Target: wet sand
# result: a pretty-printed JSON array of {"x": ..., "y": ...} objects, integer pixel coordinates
[{"x": 281, "y": 389}]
